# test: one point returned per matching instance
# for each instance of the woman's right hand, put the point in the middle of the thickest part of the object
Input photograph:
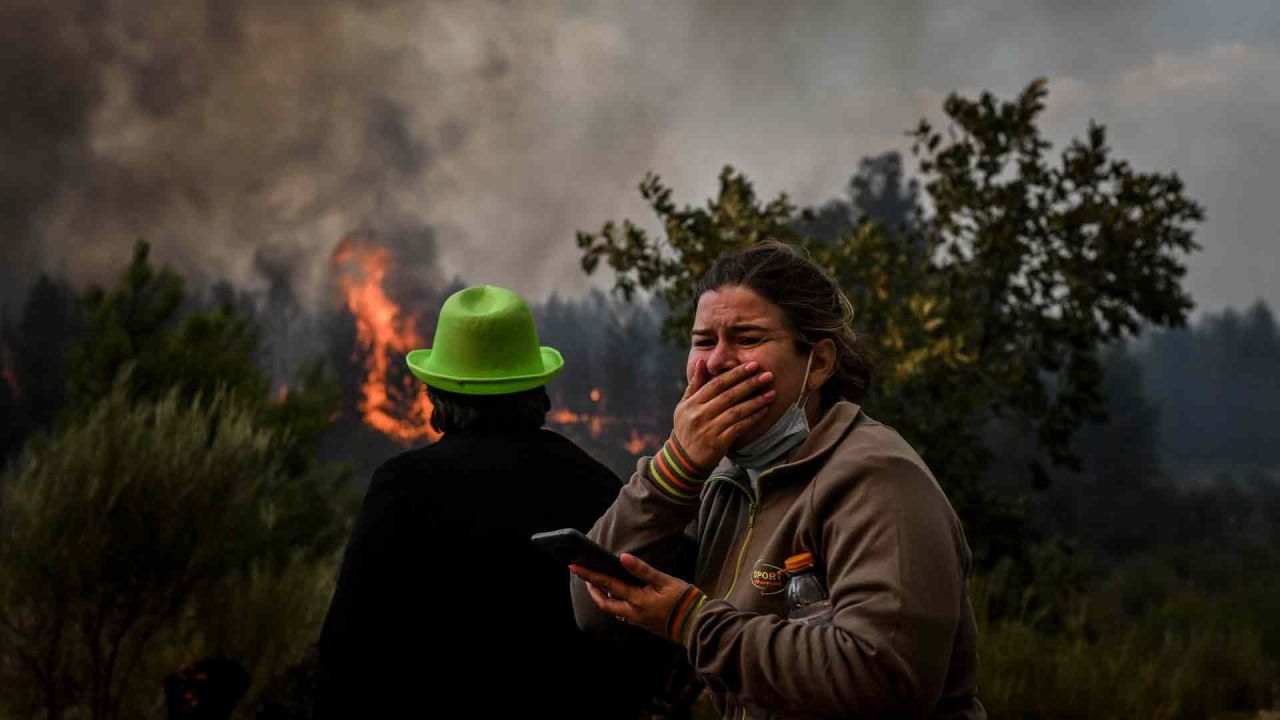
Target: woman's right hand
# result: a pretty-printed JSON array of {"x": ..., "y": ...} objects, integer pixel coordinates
[{"x": 715, "y": 412}]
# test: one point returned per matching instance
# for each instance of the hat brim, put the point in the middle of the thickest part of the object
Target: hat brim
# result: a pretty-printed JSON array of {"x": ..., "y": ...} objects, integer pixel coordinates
[{"x": 552, "y": 363}]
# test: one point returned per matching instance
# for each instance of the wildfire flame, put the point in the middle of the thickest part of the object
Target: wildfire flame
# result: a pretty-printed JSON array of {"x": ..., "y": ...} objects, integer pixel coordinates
[
  {"x": 398, "y": 409},
  {"x": 597, "y": 422},
  {"x": 641, "y": 442}
]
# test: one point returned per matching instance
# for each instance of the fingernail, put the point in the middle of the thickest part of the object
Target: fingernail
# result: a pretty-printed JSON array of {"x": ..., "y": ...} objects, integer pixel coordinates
[
  {"x": 770, "y": 395},
  {"x": 752, "y": 366},
  {"x": 766, "y": 377}
]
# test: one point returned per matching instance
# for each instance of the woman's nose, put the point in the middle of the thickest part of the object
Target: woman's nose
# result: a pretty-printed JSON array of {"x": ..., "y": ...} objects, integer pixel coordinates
[{"x": 721, "y": 359}]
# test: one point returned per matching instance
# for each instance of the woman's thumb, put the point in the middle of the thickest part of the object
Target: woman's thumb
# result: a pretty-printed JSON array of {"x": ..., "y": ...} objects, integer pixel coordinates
[{"x": 642, "y": 570}]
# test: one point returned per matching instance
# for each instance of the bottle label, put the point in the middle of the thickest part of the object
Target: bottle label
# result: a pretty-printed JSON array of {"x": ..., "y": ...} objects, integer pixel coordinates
[{"x": 817, "y": 614}]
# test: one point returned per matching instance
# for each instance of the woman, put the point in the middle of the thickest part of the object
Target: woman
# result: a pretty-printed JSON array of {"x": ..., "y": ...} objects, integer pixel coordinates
[{"x": 771, "y": 456}]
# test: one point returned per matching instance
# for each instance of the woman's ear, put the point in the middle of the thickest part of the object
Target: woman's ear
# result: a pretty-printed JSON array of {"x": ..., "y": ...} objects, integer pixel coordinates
[{"x": 824, "y": 363}]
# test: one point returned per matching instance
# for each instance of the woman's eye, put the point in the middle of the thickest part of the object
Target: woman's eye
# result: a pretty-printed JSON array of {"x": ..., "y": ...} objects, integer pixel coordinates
[
  {"x": 703, "y": 343},
  {"x": 748, "y": 340}
]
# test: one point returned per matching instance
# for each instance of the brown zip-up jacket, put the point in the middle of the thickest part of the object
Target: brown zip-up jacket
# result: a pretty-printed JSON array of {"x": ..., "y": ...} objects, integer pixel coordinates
[{"x": 902, "y": 641}]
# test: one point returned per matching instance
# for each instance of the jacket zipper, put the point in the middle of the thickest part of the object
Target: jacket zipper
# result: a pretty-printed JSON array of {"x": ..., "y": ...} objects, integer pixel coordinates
[
  {"x": 746, "y": 541},
  {"x": 752, "y": 508}
]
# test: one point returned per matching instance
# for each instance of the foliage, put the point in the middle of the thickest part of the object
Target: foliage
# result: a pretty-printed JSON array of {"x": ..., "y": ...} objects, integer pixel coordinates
[
  {"x": 149, "y": 324},
  {"x": 1180, "y": 616},
  {"x": 142, "y": 537},
  {"x": 33, "y": 358},
  {"x": 1051, "y": 261},
  {"x": 671, "y": 265},
  {"x": 140, "y": 323},
  {"x": 1118, "y": 500},
  {"x": 222, "y": 530},
  {"x": 1215, "y": 386},
  {"x": 994, "y": 296},
  {"x": 876, "y": 193},
  {"x": 1190, "y": 653}
]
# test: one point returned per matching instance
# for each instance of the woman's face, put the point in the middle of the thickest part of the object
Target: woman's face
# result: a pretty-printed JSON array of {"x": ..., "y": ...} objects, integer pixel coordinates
[{"x": 735, "y": 325}]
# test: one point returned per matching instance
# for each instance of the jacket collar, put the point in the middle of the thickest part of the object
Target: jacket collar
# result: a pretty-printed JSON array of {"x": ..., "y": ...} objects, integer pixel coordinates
[{"x": 824, "y": 436}]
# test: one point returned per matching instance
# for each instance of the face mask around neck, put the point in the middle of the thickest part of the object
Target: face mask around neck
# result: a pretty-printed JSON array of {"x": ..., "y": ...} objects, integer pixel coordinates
[{"x": 790, "y": 430}]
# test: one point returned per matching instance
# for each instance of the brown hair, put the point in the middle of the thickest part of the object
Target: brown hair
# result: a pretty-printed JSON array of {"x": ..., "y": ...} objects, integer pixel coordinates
[{"x": 812, "y": 302}]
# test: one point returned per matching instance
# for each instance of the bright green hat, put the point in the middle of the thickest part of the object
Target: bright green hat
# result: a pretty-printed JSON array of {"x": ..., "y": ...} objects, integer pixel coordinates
[{"x": 486, "y": 344}]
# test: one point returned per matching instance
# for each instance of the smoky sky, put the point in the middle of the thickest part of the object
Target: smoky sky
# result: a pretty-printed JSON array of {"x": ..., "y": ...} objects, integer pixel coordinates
[{"x": 227, "y": 131}]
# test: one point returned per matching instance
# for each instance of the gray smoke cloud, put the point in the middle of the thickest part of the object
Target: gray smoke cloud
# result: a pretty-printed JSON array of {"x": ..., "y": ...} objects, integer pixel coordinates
[
  {"x": 215, "y": 129},
  {"x": 218, "y": 129},
  {"x": 46, "y": 100},
  {"x": 222, "y": 130}
]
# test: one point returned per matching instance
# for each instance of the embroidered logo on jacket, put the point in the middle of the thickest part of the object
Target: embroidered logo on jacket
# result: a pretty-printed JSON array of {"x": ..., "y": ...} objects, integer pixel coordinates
[{"x": 768, "y": 579}]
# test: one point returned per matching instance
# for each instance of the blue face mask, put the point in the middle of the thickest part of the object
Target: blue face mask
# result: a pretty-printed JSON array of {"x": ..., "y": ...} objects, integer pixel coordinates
[{"x": 786, "y": 434}]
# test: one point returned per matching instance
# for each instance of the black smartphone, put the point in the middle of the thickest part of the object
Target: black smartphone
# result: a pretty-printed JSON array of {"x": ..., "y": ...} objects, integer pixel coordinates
[{"x": 570, "y": 546}]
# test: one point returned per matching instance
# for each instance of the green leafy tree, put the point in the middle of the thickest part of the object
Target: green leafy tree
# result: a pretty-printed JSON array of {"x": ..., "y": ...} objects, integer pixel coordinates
[
  {"x": 141, "y": 323},
  {"x": 150, "y": 324},
  {"x": 994, "y": 298}
]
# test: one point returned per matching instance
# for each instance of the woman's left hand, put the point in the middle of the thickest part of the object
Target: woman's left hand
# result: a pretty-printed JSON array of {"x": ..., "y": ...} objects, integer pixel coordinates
[{"x": 649, "y": 606}]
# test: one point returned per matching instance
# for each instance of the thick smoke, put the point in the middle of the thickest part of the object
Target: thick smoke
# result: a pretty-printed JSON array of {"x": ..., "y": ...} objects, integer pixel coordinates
[
  {"x": 217, "y": 128},
  {"x": 224, "y": 130},
  {"x": 46, "y": 82}
]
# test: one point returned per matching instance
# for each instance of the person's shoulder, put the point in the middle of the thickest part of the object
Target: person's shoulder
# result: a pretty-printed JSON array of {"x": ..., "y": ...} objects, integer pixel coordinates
[
  {"x": 873, "y": 462},
  {"x": 397, "y": 473},
  {"x": 869, "y": 439},
  {"x": 585, "y": 487},
  {"x": 566, "y": 449},
  {"x": 580, "y": 470}
]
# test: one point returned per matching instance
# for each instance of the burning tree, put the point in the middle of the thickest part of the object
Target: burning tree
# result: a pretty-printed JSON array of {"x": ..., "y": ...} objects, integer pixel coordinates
[
  {"x": 391, "y": 401},
  {"x": 604, "y": 400}
]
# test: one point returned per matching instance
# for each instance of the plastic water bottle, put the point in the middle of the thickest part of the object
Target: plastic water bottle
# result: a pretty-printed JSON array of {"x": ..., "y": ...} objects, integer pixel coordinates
[{"x": 806, "y": 595}]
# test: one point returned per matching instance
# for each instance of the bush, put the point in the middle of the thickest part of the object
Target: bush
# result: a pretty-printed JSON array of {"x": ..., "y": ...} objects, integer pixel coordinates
[
  {"x": 143, "y": 537},
  {"x": 1183, "y": 654}
]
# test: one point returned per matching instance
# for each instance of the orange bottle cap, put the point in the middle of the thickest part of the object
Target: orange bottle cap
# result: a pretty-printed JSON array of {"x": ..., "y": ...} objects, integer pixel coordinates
[{"x": 796, "y": 563}]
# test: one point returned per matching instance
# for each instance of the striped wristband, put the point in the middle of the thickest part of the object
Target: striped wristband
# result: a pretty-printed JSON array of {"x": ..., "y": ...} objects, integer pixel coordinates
[
  {"x": 674, "y": 474},
  {"x": 690, "y": 602}
]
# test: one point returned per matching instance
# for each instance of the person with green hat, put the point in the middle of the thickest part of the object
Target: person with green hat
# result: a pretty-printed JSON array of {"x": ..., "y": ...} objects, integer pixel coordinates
[{"x": 423, "y": 616}]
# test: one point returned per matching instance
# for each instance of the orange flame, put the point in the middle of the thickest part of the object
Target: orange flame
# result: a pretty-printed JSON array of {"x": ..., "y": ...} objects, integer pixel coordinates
[
  {"x": 598, "y": 423},
  {"x": 640, "y": 442},
  {"x": 566, "y": 417},
  {"x": 595, "y": 423},
  {"x": 400, "y": 410}
]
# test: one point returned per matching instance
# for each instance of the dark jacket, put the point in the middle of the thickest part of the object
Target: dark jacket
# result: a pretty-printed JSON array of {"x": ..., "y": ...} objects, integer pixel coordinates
[
  {"x": 902, "y": 641},
  {"x": 442, "y": 605}
]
